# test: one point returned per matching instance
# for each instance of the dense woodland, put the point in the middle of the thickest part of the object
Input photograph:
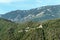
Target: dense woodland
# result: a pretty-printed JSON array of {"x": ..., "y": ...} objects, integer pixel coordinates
[{"x": 29, "y": 31}]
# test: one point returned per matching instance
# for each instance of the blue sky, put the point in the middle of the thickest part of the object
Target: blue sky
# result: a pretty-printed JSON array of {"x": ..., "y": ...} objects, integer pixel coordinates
[{"x": 10, "y": 5}]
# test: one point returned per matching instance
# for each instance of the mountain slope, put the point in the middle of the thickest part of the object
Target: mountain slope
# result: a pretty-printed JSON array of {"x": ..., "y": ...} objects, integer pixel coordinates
[
  {"x": 37, "y": 14},
  {"x": 49, "y": 30},
  {"x": 5, "y": 25},
  {"x": 52, "y": 29}
]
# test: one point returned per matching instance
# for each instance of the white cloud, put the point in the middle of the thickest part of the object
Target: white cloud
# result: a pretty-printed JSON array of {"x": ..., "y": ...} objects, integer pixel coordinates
[
  {"x": 38, "y": 1},
  {"x": 10, "y": 1},
  {"x": 5, "y": 1}
]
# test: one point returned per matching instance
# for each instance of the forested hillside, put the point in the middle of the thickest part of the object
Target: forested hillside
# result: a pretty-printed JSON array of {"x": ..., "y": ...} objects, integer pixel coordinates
[{"x": 49, "y": 30}]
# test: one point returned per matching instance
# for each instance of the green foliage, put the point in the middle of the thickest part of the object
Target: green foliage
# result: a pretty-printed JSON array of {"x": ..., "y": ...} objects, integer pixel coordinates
[
  {"x": 52, "y": 29},
  {"x": 17, "y": 31}
]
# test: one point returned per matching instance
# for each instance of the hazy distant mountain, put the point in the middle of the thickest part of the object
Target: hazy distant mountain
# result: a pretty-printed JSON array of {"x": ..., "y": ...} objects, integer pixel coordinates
[
  {"x": 37, "y": 14},
  {"x": 0, "y": 15}
]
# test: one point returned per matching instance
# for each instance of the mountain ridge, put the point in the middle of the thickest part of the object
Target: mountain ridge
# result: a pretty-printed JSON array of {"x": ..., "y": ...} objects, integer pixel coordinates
[
  {"x": 36, "y": 14},
  {"x": 49, "y": 30}
]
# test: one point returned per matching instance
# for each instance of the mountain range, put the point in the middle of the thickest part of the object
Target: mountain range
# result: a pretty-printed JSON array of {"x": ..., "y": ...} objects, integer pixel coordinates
[
  {"x": 49, "y": 30},
  {"x": 36, "y": 14},
  {"x": 32, "y": 27}
]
